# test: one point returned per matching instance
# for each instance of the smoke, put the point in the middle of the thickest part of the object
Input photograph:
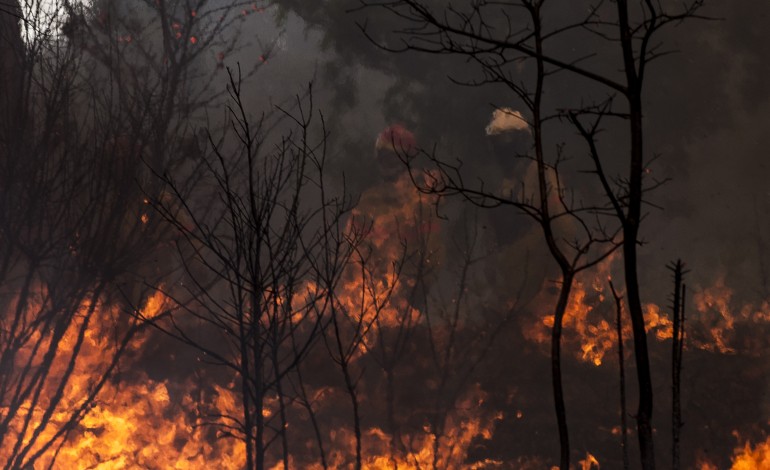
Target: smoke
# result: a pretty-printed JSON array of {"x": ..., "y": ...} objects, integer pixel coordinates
[{"x": 506, "y": 120}]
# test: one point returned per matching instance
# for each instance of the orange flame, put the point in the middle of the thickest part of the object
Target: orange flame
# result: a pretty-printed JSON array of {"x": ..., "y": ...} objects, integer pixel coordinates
[
  {"x": 750, "y": 457},
  {"x": 159, "y": 424},
  {"x": 589, "y": 321}
]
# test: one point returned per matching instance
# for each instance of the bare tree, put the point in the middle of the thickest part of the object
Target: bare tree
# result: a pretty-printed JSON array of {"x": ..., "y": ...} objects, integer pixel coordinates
[
  {"x": 157, "y": 56},
  {"x": 355, "y": 320},
  {"x": 549, "y": 204},
  {"x": 459, "y": 339},
  {"x": 396, "y": 310},
  {"x": 79, "y": 250},
  {"x": 498, "y": 37},
  {"x": 70, "y": 239},
  {"x": 260, "y": 262},
  {"x": 403, "y": 256}
]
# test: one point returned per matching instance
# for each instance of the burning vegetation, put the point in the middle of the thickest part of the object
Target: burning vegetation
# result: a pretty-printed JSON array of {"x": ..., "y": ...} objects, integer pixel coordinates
[{"x": 189, "y": 296}]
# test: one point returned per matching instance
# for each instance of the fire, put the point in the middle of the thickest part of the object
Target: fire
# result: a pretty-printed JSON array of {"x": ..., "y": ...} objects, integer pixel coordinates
[
  {"x": 123, "y": 431},
  {"x": 589, "y": 322},
  {"x": 422, "y": 449},
  {"x": 400, "y": 214},
  {"x": 144, "y": 423},
  {"x": 588, "y": 319},
  {"x": 705, "y": 465},
  {"x": 140, "y": 421},
  {"x": 589, "y": 463},
  {"x": 376, "y": 293},
  {"x": 128, "y": 425},
  {"x": 658, "y": 322},
  {"x": 750, "y": 457}
]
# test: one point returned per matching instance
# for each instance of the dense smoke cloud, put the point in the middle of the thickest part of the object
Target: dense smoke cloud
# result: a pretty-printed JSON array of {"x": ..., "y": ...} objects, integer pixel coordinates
[{"x": 704, "y": 117}]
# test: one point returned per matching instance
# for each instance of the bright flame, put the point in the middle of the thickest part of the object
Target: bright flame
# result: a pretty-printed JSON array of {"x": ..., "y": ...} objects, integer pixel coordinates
[
  {"x": 120, "y": 430},
  {"x": 590, "y": 320},
  {"x": 589, "y": 463},
  {"x": 751, "y": 457},
  {"x": 149, "y": 423}
]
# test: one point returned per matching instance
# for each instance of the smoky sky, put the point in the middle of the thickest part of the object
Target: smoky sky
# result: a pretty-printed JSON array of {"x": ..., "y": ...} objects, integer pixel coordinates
[{"x": 706, "y": 115}]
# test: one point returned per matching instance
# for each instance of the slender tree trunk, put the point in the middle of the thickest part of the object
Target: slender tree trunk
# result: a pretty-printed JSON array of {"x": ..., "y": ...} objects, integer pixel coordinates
[
  {"x": 248, "y": 420},
  {"x": 631, "y": 225},
  {"x": 282, "y": 411},
  {"x": 567, "y": 272},
  {"x": 556, "y": 377},
  {"x": 635, "y": 310},
  {"x": 622, "y": 371},
  {"x": 390, "y": 400},
  {"x": 351, "y": 387},
  {"x": 247, "y": 424},
  {"x": 260, "y": 420},
  {"x": 313, "y": 420},
  {"x": 317, "y": 431},
  {"x": 252, "y": 334},
  {"x": 343, "y": 360},
  {"x": 676, "y": 363}
]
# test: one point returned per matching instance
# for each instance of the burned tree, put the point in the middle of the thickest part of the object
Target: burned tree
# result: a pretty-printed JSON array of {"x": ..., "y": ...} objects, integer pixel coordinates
[
  {"x": 677, "y": 350},
  {"x": 70, "y": 237},
  {"x": 263, "y": 248},
  {"x": 459, "y": 340},
  {"x": 355, "y": 321},
  {"x": 80, "y": 253},
  {"x": 574, "y": 245},
  {"x": 512, "y": 44}
]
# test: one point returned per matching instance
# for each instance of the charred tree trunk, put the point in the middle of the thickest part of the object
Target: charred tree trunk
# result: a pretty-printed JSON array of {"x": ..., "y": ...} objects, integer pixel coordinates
[
  {"x": 556, "y": 376},
  {"x": 282, "y": 411},
  {"x": 631, "y": 224},
  {"x": 308, "y": 405},
  {"x": 390, "y": 398},
  {"x": 259, "y": 440},
  {"x": 635, "y": 309},
  {"x": 567, "y": 270},
  {"x": 622, "y": 372},
  {"x": 676, "y": 360},
  {"x": 345, "y": 355},
  {"x": 248, "y": 419},
  {"x": 351, "y": 388}
]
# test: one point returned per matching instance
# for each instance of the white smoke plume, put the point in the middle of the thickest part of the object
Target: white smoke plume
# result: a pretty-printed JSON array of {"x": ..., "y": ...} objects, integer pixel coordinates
[{"x": 506, "y": 120}]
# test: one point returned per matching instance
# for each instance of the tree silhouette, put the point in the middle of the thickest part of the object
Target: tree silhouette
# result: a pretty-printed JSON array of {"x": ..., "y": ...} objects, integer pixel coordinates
[
  {"x": 84, "y": 100},
  {"x": 261, "y": 262},
  {"x": 511, "y": 44}
]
